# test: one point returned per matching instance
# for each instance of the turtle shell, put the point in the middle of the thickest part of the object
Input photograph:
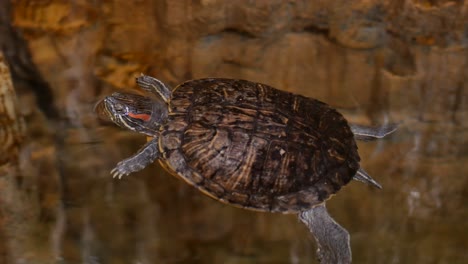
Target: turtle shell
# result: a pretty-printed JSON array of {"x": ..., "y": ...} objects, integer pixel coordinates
[{"x": 256, "y": 147}]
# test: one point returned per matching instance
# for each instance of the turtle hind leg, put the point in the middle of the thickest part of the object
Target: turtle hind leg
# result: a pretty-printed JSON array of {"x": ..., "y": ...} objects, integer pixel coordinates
[
  {"x": 154, "y": 86},
  {"x": 367, "y": 133},
  {"x": 146, "y": 155},
  {"x": 332, "y": 239},
  {"x": 363, "y": 176}
]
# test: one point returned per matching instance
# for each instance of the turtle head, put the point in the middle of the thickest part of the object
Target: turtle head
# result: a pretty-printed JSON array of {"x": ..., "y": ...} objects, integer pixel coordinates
[{"x": 134, "y": 112}]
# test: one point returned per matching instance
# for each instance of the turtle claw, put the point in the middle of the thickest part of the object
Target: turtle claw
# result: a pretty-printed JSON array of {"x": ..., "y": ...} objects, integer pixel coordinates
[
  {"x": 115, "y": 173},
  {"x": 120, "y": 170},
  {"x": 130, "y": 165},
  {"x": 118, "y": 175}
]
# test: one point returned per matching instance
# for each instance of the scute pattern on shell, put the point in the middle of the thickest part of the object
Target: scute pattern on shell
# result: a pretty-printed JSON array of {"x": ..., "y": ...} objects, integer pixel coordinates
[{"x": 257, "y": 147}]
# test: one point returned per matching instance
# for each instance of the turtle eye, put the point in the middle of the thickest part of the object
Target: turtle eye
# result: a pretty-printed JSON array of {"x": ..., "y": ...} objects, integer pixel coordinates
[{"x": 119, "y": 107}]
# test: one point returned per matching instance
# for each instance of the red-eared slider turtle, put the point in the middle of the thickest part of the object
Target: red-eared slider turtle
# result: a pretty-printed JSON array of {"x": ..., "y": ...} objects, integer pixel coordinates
[{"x": 249, "y": 145}]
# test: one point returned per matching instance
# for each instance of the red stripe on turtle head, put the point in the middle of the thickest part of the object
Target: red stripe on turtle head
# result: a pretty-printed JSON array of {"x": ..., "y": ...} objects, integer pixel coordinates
[{"x": 144, "y": 117}]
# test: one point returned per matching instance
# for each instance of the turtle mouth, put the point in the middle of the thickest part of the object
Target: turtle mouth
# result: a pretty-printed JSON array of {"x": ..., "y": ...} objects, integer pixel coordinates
[{"x": 102, "y": 110}]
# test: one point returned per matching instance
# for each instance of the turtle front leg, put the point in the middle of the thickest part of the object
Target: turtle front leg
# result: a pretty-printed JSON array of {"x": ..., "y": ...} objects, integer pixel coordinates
[
  {"x": 146, "y": 155},
  {"x": 154, "y": 86},
  {"x": 332, "y": 239}
]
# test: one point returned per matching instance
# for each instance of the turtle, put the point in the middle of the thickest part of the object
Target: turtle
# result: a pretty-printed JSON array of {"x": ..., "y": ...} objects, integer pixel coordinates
[{"x": 249, "y": 145}]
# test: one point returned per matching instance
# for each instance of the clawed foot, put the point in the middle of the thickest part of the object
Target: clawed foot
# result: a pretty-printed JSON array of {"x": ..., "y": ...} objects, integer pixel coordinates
[
  {"x": 146, "y": 155},
  {"x": 155, "y": 86},
  {"x": 117, "y": 173},
  {"x": 124, "y": 168}
]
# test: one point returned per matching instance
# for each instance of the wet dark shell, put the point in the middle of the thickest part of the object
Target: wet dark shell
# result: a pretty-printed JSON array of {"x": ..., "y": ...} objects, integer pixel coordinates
[{"x": 257, "y": 147}]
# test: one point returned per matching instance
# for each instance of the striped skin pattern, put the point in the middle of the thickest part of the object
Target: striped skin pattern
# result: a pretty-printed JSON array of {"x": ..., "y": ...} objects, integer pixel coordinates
[
  {"x": 256, "y": 147},
  {"x": 11, "y": 123}
]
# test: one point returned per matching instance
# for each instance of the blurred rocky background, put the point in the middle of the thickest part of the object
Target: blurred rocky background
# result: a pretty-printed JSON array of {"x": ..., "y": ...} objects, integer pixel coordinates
[{"x": 377, "y": 61}]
